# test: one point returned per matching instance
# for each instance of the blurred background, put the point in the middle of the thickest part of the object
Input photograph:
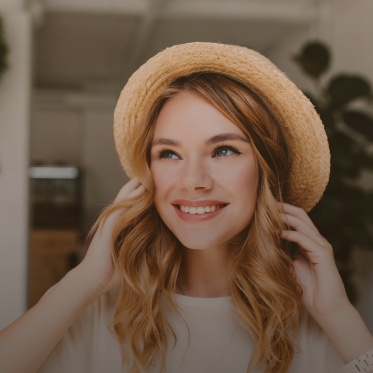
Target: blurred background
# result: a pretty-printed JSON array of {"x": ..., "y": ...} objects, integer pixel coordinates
[{"x": 67, "y": 61}]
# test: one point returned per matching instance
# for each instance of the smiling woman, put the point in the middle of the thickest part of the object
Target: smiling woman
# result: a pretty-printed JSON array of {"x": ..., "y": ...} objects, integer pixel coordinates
[{"x": 191, "y": 265}]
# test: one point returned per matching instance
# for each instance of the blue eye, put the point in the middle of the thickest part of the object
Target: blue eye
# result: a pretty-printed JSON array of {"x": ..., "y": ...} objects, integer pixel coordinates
[
  {"x": 225, "y": 151},
  {"x": 167, "y": 154}
]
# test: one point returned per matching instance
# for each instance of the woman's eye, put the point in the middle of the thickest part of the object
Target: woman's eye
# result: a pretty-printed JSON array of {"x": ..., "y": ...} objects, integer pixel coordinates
[
  {"x": 225, "y": 151},
  {"x": 168, "y": 154}
]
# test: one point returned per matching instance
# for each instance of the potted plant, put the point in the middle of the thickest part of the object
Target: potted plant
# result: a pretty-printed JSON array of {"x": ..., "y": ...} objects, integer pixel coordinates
[{"x": 345, "y": 213}]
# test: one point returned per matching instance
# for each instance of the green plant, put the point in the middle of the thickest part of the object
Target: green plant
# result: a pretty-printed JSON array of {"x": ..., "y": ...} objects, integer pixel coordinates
[
  {"x": 344, "y": 215},
  {"x": 3, "y": 50}
]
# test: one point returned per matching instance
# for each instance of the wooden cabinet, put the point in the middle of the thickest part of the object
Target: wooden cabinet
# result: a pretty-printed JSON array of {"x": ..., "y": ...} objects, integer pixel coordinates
[{"x": 51, "y": 254}]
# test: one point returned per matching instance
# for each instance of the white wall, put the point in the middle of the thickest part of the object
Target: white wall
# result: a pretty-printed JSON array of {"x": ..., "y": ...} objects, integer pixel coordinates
[
  {"x": 347, "y": 27},
  {"x": 14, "y": 123},
  {"x": 351, "y": 37}
]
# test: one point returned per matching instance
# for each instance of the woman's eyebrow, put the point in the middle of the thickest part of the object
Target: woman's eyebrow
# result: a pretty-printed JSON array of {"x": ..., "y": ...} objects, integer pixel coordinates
[
  {"x": 212, "y": 140},
  {"x": 164, "y": 141},
  {"x": 226, "y": 136}
]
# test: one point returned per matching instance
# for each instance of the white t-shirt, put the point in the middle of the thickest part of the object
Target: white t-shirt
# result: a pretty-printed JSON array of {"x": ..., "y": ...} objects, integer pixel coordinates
[{"x": 217, "y": 343}]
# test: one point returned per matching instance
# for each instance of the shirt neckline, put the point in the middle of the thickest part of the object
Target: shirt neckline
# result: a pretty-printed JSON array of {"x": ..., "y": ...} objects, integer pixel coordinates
[{"x": 206, "y": 303}]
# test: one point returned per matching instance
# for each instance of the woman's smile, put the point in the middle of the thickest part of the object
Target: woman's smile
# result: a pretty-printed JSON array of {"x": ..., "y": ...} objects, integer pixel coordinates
[
  {"x": 204, "y": 172},
  {"x": 196, "y": 211}
]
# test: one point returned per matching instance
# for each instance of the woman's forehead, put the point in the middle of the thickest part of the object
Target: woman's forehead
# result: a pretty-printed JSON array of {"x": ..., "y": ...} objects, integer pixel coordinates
[{"x": 189, "y": 112}]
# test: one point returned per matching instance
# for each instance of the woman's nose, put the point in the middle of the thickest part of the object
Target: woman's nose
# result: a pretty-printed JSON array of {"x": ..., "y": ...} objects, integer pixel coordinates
[{"x": 196, "y": 175}]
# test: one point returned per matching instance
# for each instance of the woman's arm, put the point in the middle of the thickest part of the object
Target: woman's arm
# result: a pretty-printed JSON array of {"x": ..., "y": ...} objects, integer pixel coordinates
[
  {"x": 324, "y": 294},
  {"x": 26, "y": 343}
]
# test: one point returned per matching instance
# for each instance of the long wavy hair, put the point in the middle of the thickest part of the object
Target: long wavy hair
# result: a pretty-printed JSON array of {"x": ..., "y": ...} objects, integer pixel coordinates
[{"x": 264, "y": 292}]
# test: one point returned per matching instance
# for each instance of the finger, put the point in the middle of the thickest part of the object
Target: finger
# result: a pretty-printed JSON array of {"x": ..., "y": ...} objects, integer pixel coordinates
[
  {"x": 296, "y": 211},
  {"x": 298, "y": 219},
  {"x": 128, "y": 188},
  {"x": 303, "y": 272},
  {"x": 313, "y": 250},
  {"x": 302, "y": 227},
  {"x": 131, "y": 184},
  {"x": 140, "y": 189}
]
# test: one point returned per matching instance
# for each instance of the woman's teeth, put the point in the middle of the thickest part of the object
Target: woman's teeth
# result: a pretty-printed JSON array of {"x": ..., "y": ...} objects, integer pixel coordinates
[{"x": 199, "y": 210}]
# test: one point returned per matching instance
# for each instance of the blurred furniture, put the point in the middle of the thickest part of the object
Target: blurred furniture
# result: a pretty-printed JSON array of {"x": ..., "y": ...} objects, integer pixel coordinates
[
  {"x": 55, "y": 212},
  {"x": 55, "y": 196},
  {"x": 51, "y": 253}
]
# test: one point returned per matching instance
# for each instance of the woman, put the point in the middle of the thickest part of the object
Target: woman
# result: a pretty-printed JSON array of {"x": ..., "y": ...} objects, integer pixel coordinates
[{"x": 223, "y": 147}]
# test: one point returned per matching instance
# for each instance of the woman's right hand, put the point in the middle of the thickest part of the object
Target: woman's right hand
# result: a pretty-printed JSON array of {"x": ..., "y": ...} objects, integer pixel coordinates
[{"x": 98, "y": 263}]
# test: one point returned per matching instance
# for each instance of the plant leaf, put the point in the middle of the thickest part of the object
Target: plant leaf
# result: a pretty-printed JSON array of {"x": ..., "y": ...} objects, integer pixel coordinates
[
  {"x": 360, "y": 122},
  {"x": 344, "y": 88},
  {"x": 314, "y": 58},
  {"x": 345, "y": 155}
]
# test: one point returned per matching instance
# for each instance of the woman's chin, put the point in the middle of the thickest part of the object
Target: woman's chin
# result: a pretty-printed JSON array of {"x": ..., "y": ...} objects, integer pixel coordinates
[
  {"x": 200, "y": 244},
  {"x": 196, "y": 247}
]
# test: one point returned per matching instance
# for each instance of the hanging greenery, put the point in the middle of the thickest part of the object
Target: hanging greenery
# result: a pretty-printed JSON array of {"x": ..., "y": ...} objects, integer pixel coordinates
[
  {"x": 3, "y": 50},
  {"x": 344, "y": 215}
]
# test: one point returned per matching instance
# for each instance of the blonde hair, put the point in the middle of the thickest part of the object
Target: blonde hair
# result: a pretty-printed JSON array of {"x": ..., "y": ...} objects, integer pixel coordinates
[{"x": 264, "y": 292}]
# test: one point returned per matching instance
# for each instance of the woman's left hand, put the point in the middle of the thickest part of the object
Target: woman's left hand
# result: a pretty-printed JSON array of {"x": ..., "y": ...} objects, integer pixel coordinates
[
  {"x": 314, "y": 265},
  {"x": 324, "y": 294}
]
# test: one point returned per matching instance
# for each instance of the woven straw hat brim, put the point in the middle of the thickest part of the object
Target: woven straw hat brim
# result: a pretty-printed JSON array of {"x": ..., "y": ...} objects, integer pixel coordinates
[{"x": 306, "y": 135}]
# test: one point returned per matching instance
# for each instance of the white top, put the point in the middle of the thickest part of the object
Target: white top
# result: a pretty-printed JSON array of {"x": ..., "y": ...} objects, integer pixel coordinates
[{"x": 218, "y": 344}]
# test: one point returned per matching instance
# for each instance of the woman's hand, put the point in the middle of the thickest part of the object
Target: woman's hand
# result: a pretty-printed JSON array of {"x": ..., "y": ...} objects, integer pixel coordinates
[
  {"x": 324, "y": 294},
  {"x": 98, "y": 263},
  {"x": 314, "y": 265}
]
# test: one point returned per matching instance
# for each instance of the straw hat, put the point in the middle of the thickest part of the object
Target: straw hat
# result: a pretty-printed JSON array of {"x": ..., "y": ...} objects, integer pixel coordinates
[{"x": 309, "y": 148}]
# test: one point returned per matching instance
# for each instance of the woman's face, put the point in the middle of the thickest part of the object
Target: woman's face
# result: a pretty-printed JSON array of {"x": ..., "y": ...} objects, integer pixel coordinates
[{"x": 204, "y": 171}]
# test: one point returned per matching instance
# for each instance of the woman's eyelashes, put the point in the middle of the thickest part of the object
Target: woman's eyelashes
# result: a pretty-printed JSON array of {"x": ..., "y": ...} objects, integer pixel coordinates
[
  {"x": 168, "y": 154},
  {"x": 225, "y": 151},
  {"x": 218, "y": 152}
]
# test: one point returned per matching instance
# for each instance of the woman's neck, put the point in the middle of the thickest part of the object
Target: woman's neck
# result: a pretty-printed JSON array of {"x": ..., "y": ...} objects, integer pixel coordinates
[{"x": 205, "y": 273}]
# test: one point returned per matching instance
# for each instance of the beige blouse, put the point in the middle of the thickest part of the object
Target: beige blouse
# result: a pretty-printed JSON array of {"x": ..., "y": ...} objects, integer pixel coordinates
[{"x": 217, "y": 343}]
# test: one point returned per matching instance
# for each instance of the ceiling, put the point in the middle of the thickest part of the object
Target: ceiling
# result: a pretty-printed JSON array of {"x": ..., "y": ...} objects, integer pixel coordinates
[{"x": 96, "y": 45}]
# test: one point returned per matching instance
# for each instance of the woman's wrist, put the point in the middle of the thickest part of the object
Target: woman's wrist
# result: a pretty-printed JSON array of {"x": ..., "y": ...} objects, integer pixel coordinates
[
  {"x": 362, "y": 364},
  {"x": 89, "y": 281}
]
